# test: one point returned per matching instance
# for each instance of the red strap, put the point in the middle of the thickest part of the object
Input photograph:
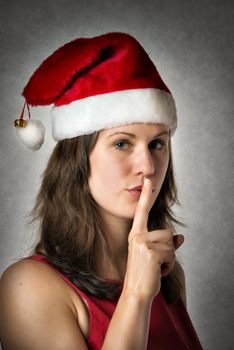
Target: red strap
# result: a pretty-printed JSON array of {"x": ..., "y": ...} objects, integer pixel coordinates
[{"x": 22, "y": 113}]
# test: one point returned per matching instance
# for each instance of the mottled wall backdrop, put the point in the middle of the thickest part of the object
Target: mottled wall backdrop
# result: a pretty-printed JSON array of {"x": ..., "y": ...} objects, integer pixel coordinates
[{"x": 191, "y": 42}]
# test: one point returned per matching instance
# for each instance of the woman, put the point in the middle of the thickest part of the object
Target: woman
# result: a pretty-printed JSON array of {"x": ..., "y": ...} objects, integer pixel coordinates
[{"x": 104, "y": 273}]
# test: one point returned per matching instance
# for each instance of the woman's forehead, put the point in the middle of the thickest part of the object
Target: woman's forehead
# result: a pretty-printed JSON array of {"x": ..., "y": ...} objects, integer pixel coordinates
[{"x": 137, "y": 128}]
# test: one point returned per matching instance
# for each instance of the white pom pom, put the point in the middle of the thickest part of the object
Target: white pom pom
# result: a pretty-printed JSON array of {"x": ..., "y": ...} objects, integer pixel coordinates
[{"x": 32, "y": 135}]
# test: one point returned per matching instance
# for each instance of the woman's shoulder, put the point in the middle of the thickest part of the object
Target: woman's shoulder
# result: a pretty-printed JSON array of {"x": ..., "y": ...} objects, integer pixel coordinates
[
  {"x": 26, "y": 278},
  {"x": 27, "y": 273},
  {"x": 31, "y": 295},
  {"x": 22, "y": 267},
  {"x": 23, "y": 270}
]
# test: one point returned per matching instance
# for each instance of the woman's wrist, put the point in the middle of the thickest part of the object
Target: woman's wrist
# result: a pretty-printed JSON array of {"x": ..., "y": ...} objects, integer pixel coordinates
[
  {"x": 123, "y": 330},
  {"x": 135, "y": 298}
]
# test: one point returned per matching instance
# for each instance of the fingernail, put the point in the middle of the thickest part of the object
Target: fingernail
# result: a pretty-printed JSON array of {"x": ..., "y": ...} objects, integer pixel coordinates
[{"x": 146, "y": 182}]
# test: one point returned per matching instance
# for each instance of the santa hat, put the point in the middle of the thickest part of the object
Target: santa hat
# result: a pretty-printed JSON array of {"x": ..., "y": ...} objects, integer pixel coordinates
[{"x": 94, "y": 84}]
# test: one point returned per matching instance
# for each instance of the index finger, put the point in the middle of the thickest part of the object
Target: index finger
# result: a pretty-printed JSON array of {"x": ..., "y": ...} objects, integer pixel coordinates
[{"x": 140, "y": 220}]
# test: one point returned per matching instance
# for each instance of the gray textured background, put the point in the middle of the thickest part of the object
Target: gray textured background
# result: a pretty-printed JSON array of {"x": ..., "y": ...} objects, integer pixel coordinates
[{"x": 191, "y": 43}]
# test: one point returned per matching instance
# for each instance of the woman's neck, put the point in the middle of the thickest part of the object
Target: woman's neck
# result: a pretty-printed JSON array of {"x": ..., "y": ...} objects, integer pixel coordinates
[{"x": 116, "y": 231}]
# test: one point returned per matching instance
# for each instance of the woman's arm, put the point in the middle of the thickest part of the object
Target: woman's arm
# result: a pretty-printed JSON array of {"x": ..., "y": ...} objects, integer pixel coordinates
[
  {"x": 130, "y": 322},
  {"x": 35, "y": 312},
  {"x": 150, "y": 256},
  {"x": 129, "y": 325}
]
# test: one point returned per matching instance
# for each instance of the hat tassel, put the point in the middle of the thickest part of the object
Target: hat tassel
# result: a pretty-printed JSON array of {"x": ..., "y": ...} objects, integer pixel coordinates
[{"x": 30, "y": 132}]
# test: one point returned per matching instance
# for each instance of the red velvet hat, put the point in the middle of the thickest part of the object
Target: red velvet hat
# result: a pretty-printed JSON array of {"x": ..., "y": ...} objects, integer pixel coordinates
[{"x": 100, "y": 82}]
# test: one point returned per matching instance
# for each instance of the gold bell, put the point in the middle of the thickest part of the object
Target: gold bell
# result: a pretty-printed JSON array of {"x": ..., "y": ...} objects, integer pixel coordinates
[{"x": 20, "y": 123}]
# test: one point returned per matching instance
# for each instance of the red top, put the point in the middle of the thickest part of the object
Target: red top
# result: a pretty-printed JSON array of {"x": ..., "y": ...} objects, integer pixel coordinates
[{"x": 170, "y": 324}]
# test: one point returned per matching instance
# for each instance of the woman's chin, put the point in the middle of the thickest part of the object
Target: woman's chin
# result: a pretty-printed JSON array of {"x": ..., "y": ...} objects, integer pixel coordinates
[{"x": 129, "y": 214}]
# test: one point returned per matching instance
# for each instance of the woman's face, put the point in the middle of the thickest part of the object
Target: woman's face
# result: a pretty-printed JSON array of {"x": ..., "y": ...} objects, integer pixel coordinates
[{"x": 119, "y": 161}]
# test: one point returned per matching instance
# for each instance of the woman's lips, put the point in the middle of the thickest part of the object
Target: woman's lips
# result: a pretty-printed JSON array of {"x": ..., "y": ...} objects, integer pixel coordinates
[{"x": 135, "y": 193}]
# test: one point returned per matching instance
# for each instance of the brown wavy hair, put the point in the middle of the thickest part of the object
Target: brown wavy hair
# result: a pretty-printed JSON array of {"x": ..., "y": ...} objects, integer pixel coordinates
[{"x": 69, "y": 225}]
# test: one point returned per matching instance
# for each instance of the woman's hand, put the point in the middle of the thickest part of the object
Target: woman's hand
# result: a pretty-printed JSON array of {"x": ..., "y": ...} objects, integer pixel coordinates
[{"x": 151, "y": 254}]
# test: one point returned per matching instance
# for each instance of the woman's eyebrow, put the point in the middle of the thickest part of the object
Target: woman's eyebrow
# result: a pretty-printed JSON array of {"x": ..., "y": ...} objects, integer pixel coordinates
[{"x": 134, "y": 136}]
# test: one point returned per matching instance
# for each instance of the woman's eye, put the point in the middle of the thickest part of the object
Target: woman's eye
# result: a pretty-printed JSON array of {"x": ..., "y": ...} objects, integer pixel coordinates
[
  {"x": 157, "y": 144},
  {"x": 121, "y": 145},
  {"x": 154, "y": 145}
]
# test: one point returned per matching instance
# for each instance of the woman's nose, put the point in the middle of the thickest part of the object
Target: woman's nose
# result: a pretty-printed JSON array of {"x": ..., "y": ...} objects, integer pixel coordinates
[{"x": 144, "y": 163}]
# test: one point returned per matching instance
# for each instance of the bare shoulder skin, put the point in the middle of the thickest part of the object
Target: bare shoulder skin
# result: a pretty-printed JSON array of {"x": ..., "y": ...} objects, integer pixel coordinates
[{"x": 39, "y": 310}]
